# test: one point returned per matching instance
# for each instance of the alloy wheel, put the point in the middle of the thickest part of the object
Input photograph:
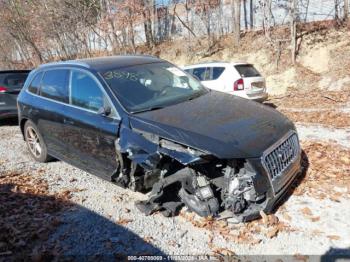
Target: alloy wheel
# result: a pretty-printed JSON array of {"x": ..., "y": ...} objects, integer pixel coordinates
[{"x": 33, "y": 141}]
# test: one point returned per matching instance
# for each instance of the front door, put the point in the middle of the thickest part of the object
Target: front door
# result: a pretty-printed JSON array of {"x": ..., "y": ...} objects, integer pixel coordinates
[{"x": 90, "y": 135}]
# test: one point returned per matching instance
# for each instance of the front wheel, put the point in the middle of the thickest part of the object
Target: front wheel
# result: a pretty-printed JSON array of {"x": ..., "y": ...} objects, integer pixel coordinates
[{"x": 35, "y": 142}]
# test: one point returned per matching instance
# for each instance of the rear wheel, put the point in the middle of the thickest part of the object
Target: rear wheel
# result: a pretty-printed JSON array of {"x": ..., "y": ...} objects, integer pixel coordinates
[{"x": 35, "y": 142}]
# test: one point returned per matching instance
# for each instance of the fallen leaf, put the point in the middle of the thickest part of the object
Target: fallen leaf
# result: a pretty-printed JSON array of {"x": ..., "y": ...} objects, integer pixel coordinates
[
  {"x": 272, "y": 232},
  {"x": 286, "y": 216},
  {"x": 264, "y": 217},
  {"x": 306, "y": 211},
  {"x": 124, "y": 221},
  {"x": 224, "y": 252},
  {"x": 315, "y": 219},
  {"x": 333, "y": 237}
]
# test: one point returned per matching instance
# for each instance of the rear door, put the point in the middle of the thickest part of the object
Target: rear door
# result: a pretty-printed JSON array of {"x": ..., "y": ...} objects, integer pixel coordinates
[
  {"x": 89, "y": 135},
  {"x": 254, "y": 83},
  {"x": 213, "y": 78},
  {"x": 11, "y": 84},
  {"x": 210, "y": 76},
  {"x": 47, "y": 107}
]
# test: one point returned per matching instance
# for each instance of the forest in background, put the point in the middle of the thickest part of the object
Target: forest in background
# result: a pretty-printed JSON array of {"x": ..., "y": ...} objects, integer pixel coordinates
[{"x": 38, "y": 31}]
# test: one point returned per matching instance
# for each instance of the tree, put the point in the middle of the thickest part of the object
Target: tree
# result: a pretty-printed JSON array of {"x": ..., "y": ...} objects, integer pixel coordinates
[
  {"x": 293, "y": 30},
  {"x": 346, "y": 10},
  {"x": 236, "y": 21},
  {"x": 251, "y": 8},
  {"x": 147, "y": 6}
]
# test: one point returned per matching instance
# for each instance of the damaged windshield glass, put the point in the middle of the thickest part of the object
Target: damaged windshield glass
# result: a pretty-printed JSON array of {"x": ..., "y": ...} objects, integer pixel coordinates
[{"x": 152, "y": 86}]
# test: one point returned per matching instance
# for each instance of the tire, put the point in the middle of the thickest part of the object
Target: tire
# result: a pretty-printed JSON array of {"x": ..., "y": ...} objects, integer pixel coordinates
[{"x": 35, "y": 143}]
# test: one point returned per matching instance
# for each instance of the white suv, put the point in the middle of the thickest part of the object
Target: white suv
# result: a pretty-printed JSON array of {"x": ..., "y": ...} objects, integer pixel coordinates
[{"x": 239, "y": 79}]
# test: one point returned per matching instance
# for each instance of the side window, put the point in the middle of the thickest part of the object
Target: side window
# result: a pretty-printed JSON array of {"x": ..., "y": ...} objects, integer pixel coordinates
[
  {"x": 202, "y": 73},
  {"x": 217, "y": 71},
  {"x": 35, "y": 84},
  {"x": 188, "y": 71},
  {"x": 86, "y": 93},
  {"x": 54, "y": 85}
]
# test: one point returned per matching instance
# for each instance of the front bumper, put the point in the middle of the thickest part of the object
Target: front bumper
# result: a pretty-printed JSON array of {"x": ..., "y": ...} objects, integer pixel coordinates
[{"x": 273, "y": 199}]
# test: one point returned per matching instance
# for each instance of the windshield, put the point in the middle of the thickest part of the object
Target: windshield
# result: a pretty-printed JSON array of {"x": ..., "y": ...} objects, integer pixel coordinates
[{"x": 151, "y": 86}]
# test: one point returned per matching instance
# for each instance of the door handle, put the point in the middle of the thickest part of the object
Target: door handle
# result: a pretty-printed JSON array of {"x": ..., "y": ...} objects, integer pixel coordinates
[{"x": 68, "y": 122}]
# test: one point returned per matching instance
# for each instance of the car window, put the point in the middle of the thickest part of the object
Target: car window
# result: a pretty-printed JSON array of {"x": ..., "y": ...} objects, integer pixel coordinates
[
  {"x": 188, "y": 71},
  {"x": 216, "y": 72},
  {"x": 35, "y": 84},
  {"x": 86, "y": 93},
  {"x": 54, "y": 85},
  {"x": 202, "y": 73},
  {"x": 247, "y": 70},
  {"x": 14, "y": 80}
]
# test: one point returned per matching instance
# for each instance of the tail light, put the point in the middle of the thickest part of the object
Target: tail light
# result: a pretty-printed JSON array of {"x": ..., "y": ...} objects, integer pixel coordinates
[
  {"x": 3, "y": 89},
  {"x": 238, "y": 85}
]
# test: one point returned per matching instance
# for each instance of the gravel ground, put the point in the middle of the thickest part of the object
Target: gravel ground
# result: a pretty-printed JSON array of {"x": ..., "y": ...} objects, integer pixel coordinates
[{"x": 104, "y": 220}]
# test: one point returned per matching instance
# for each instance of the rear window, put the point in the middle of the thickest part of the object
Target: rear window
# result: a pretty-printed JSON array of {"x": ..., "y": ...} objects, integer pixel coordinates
[
  {"x": 54, "y": 85},
  {"x": 13, "y": 80},
  {"x": 247, "y": 70}
]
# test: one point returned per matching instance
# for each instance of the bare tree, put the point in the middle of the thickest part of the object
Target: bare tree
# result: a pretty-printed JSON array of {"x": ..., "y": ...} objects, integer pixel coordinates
[
  {"x": 293, "y": 30},
  {"x": 346, "y": 10},
  {"x": 147, "y": 6},
  {"x": 236, "y": 5},
  {"x": 251, "y": 12},
  {"x": 336, "y": 10}
]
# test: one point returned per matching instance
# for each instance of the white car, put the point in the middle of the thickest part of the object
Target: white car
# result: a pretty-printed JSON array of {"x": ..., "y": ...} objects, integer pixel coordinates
[{"x": 240, "y": 79}]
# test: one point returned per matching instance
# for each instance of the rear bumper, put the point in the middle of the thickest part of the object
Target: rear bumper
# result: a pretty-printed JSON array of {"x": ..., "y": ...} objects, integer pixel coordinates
[
  {"x": 8, "y": 113},
  {"x": 260, "y": 97}
]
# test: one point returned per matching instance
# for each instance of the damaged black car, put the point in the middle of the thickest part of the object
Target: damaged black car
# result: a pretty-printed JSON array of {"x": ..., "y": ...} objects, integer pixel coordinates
[{"x": 144, "y": 124}]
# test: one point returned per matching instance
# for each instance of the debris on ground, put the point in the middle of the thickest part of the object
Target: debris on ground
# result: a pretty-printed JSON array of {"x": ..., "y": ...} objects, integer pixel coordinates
[
  {"x": 327, "y": 171},
  {"x": 28, "y": 213}
]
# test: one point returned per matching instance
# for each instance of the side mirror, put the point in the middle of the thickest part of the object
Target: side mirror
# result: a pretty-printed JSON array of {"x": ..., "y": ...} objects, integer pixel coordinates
[{"x": 105, "y": 111}]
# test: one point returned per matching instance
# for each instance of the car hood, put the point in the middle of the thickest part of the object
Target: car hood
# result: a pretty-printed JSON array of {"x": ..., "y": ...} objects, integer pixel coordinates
[{"x": 222, "y": 125}]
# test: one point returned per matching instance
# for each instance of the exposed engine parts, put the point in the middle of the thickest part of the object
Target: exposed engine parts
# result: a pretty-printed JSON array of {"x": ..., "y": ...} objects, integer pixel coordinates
[{"x": 178, "y": 176}]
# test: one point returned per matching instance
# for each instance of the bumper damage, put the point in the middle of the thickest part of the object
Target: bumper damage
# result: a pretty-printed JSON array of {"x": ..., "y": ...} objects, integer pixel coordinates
[{"x": 177, "y": 176}]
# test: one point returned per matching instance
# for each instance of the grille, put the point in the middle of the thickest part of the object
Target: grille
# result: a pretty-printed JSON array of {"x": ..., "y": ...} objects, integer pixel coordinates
[{"x": 281, "y": 156}]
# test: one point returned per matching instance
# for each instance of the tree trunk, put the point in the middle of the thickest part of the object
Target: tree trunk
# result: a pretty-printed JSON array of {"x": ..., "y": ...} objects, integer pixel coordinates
[
  {"x": 293, "y": 30},
  {"x": 346, "y": 10},
  {"x": 251, "y": 11},
  {"x": 147, "y": 22},
  {"x": 237, "y": 21},
  {"x": 336, "y": 10},
  {"x": 245, "y": 14}
]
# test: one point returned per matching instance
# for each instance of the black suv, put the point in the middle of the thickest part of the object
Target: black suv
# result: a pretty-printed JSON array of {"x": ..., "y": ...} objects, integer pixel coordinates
[
  {"x": 144, "y": 124},
  {"x": 11, "y": 83}
]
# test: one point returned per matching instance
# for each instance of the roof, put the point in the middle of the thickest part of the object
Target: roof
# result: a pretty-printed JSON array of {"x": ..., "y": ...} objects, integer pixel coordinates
[
  {"x": 215, "y": 63},
  {"x": 109, "y": 62},
  {"x": 14, "y": 71}
]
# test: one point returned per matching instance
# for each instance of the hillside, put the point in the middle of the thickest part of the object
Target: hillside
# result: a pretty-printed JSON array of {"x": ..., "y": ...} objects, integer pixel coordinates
[{"x": 322, "y": 61}]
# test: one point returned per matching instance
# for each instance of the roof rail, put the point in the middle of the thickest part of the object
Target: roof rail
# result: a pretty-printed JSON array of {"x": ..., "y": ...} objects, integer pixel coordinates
[{"x": 68, "y": 62}]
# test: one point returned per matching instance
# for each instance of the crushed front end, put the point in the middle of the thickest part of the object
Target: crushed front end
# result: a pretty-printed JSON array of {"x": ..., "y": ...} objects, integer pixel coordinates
[{"x": 177, "y": 175}]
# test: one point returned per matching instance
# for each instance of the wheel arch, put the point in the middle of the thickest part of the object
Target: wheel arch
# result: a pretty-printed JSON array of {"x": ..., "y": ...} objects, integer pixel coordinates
[{"x": 21, "y": 125}]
